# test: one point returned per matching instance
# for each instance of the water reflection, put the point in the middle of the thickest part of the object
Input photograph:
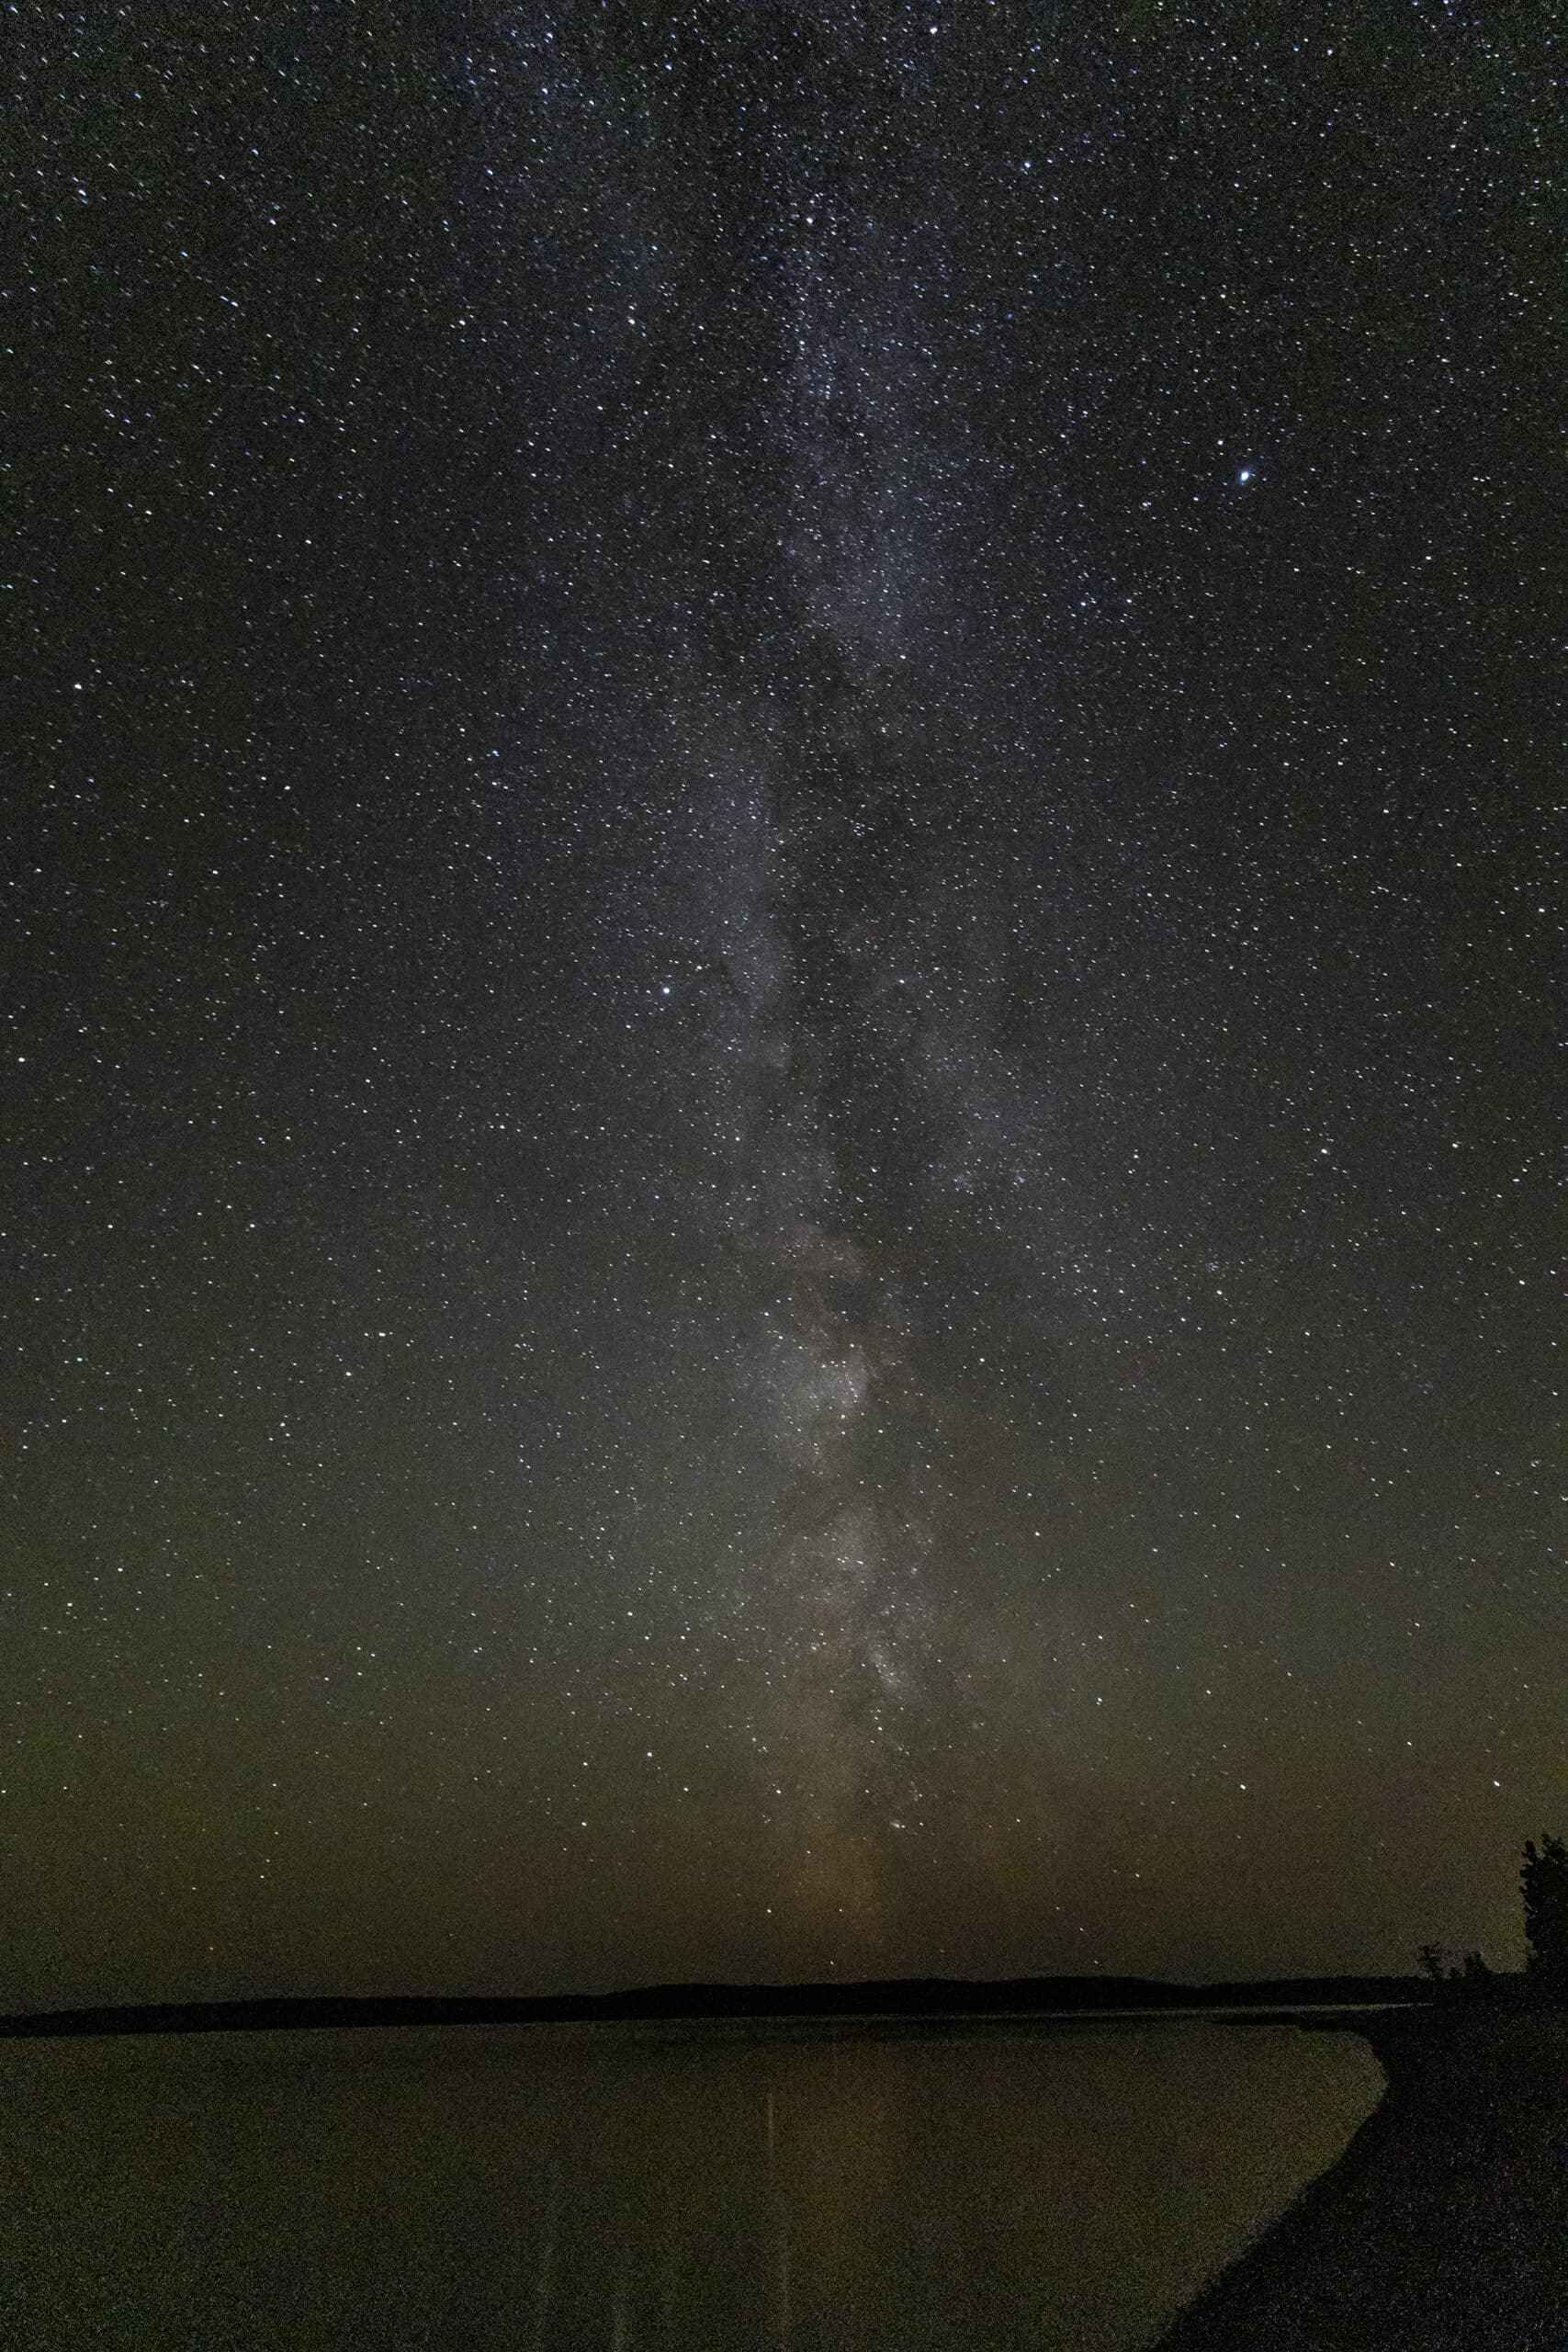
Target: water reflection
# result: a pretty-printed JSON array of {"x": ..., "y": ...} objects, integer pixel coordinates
[{"x": 597, "y": 2188}]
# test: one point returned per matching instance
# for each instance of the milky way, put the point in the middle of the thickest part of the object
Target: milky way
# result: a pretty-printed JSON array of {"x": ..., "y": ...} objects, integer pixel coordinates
[{"x": 782, "y": 1189}]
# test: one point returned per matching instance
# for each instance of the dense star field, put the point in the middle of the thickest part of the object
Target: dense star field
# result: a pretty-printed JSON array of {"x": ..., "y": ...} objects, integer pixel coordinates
[{"x": 782, "y": 942}]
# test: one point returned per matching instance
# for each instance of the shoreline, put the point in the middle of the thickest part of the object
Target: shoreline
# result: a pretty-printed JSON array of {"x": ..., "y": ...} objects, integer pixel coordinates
[{"x": 1444, "y": 2225}]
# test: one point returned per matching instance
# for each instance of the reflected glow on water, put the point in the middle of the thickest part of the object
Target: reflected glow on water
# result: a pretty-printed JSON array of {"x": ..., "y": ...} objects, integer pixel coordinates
[{"x": 796, "y": 2189}]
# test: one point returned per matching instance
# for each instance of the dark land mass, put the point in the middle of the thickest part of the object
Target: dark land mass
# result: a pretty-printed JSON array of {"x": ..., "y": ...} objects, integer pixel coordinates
[
  {"x": 897, "y": 1997},
  {"x": 1443, "y": 2227}
]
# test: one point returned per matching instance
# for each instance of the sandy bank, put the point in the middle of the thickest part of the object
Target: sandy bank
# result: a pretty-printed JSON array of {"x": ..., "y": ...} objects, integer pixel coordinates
[{"x": 1444, "y": 2223}]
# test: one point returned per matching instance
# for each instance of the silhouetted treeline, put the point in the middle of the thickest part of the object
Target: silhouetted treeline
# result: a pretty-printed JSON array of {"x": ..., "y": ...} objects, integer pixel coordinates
[
  {"x": 1470, "y": 1981},
  {"x": 1543, "y": 1884}
]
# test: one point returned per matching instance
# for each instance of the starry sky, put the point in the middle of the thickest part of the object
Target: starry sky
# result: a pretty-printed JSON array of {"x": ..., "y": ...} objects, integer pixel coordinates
[{"x": 782, "y": 944}]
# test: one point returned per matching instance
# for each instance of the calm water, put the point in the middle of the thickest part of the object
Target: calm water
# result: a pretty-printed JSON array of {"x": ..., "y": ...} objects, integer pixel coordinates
[{"x": 617, "y": 2187}]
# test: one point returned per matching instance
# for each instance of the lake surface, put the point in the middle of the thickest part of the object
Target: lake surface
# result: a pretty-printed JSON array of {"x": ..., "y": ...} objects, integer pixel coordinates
[{"x": 605, "y": 2188}]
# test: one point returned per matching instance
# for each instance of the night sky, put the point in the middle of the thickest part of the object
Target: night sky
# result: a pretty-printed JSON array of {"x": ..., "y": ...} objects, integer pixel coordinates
[{"x": 781, "y": 950}]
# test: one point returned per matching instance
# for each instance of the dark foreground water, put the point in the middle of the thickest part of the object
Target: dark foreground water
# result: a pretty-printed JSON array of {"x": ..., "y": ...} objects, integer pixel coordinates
[{"x": 674, "y": 2186}]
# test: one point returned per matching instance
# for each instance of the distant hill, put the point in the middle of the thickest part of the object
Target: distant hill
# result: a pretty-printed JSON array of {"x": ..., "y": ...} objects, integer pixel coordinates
[{"x": 895, "y": 1998}]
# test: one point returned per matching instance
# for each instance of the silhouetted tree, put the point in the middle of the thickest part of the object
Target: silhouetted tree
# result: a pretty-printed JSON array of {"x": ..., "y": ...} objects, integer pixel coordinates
[
  {"x": 1544, "y": 1881},
  {"x": 1434, "y": 1963},
  {"x": 1475, "y": 1979}
]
